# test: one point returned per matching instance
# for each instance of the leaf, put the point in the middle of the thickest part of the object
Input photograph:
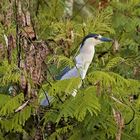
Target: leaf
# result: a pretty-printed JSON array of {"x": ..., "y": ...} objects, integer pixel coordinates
[
  {"x": 3, "y": 99},
  {"x": 11, "y": 104},
  {"x": 88, "y": 103},
  {"x": 62, "y": 87},
  {"x": 137, "y": 125},
  {"x": 85, "y": 101},
  {"x": 114, "y": 62}
]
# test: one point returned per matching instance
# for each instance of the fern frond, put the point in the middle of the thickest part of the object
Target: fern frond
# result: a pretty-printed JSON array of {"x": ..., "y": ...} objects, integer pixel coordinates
[
  {"x": 76, "y": 135},
  {"x": 114, "y": 62},
  {"x": 85, "y": 101},
  {"x": 62, "y": 61},
  {"x": 134, "y": 86},
  {"x": 64, "y": 129},
  {"x": 9, "y": 73},
  {"x": 103, "y": 77},
  {"x": 15, "y": 121},
  {"x": 120, "y": 81},
  {"x": 22, "y": 116},
  {"x": 101, "y": 23},
  {"x": 12, "y": 127},
  {"x": 117, "y": 83},
  {"x": 64, "y": 86},
  {"x": 4, "y": 99},
  {"x": 11, "y": 104}
]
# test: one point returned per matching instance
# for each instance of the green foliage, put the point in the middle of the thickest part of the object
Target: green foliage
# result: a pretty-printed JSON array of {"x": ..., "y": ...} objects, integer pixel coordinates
[
  {"x": 114, "y": 62},
  {"x": 10, "y": 105},
  {"x": 101, "y": 23},
  {"x": 62, "y": 61},
  {"x": 10, "y": 120},
  {"x": 64, "y": 86},
  {"x": 85, "y": 101},
  {"x": 9, "y": 73}
]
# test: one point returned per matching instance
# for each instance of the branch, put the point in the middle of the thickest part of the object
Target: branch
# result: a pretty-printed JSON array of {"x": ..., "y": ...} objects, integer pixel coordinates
[{"x": 22, "y": 106}]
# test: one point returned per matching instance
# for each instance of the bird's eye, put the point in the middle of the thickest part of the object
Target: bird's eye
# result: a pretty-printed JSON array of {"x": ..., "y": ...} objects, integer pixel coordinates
[{"x": 96, "y": 37}]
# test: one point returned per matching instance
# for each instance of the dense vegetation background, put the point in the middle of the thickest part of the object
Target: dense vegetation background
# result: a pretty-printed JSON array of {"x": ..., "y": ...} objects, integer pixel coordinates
[{"x": 38, "y": 39}]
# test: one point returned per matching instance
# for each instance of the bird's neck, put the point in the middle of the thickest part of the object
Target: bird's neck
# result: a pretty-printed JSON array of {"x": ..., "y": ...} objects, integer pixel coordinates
[{"x": 84, "y": 59}]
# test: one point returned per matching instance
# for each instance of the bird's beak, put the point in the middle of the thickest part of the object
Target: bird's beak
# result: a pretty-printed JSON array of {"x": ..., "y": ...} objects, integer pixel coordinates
[{"x": 105, "y": 39}]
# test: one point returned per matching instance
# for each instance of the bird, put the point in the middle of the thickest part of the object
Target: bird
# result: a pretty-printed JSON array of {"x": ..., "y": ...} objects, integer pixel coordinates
[{"x": 82, "y": 60}]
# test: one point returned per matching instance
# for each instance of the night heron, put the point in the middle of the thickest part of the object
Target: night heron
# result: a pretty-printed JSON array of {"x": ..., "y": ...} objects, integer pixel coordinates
[{"x": 83, "y": 59}]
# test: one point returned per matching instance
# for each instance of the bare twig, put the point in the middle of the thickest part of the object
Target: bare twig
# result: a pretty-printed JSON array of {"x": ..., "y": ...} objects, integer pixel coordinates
[{"x": 22, "y": 106}]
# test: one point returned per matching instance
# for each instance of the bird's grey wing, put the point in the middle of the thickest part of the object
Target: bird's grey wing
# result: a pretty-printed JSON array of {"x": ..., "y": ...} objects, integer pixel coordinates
[
  {"x": 63, "y": 72},
  {"x": 46, "y": 100},
  {"x": 70, "y": 74}
]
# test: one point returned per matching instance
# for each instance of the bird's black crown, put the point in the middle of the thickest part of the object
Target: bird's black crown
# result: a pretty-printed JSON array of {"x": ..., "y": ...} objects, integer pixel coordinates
[{"x": 88, "y": 36}]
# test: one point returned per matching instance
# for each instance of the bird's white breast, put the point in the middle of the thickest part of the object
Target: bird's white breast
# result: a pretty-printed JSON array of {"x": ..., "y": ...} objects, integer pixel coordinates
[{"x": 84, "y": 59}]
